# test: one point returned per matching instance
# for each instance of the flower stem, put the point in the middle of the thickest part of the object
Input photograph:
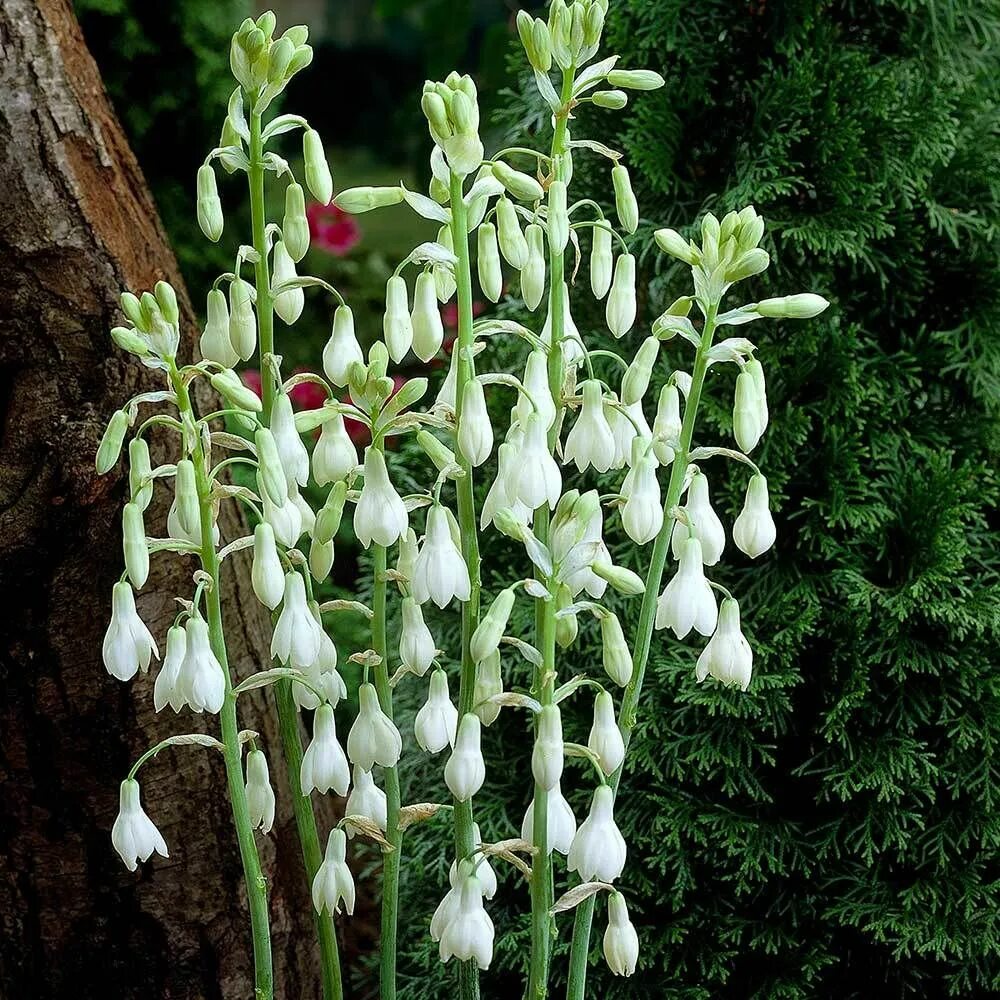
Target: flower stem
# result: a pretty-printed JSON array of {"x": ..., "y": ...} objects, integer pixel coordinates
[
  {"x": 288, "y": 714},
  {"x": 580, "y": 950},
  {"x": 256, "y": 884},
  {"x": 391, "y": 859},
  {"x": 468, "y": 972}
]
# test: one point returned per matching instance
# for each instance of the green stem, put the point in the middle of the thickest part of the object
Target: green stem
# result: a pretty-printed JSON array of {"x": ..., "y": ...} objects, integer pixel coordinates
[
  {"x": 544, "y": 682},
  {"x": 391, "y": 859},
  {"x": 288, "y": 714},
  {"x": 256, "y": 884},
  {"x": 468, "y": 972},
  {"x": 627, "y": 718}
]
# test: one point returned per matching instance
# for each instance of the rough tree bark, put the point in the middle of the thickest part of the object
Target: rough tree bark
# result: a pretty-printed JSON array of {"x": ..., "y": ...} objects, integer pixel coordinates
[{"x": 77, "y": 225}]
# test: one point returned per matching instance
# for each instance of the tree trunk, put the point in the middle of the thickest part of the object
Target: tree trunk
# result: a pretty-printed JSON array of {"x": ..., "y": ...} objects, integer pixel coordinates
[{"x": 77, "y": 225}]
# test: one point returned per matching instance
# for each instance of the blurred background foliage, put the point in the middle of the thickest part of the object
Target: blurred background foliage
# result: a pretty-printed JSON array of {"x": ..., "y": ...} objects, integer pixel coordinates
[{"x": 835, "y": 831}]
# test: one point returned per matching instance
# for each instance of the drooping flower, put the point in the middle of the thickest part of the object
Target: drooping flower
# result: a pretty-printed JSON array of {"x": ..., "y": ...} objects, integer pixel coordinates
[
  {"x": 465, "y": 771},
  {"x": 334, "y": 883},
  {"x": 296, "y": 638},
  {"x": 621, "y": 942},
  {"x": 605, "y": 737},
  {"x": 436, "y": 722},
  {"x": 324, "y": 765},
  {"x": 728, "y": 656},
  {"x": 380, "y": 515},
  {"x": 753, "y": 529},
  {"x": 260, "y": 794},
  {"x": 128, "y": 644},
  {"x": 374, "y": 738},
  {"x": 366, "y": 799},
  {"x": 561, "y": 823},
  {"x": 440, "y": 572},
  {"x": 687, "y": 600},
  {"x": 134, "y": 835},
  {"x": 598, "y": 850},
  {"x": 469, "y": 934}
]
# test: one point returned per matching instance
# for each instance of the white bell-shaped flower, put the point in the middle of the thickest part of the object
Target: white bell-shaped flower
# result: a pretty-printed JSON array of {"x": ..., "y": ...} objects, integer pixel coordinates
[
  {"x": 475, "y": 431},
  {"x": 167, "y": 689},
  {"x": 687, "y": 600},
  {"x": 617, "y": 659},
  {"x": 440, "y": 573},
  {"x": 334, "y": 883},
  {"x": 446, "y": 910},
  {"x": 287, "y": 304},
  {"x": 260, "y": 794},
  {"x": 322, "y": 673},
  {"x": 437, "y": 720},
  {"x": 753, "y": 529},
  {"x": 728, "y": 656},
  {"x": 667, "y": 424},
  {"x": 285, "y": 519},
  {"x": 621, "y": 305},
  {"x": 334, "y": 456},
  {"x": 481, "y": 865},
  {"x": 704, "y": 521},
  {"x": 469, "y": 934},
  {"x": 598, "y": 850},
  {"x": 560, "y": 826},
  {"x": 324, "y": 765},
  {"x": 536, "y": 382},
  {"x": 605, "y": 737},
  {"x": 342, "y": 349},
  {"x": 134, "y": 836},
  {"x": 397, "y": 327},
  {"x": 297, "y": 634},
  {"x": 417, "y": 648},
  {"x": 590, "y": 442},
  {"x": 547, "y": 756},
  {"x": 536, "y": 479},
  {"x": 202, "y": 680},
  {"x": 292, "y": 452},
  {"x": 499, "y": 496},
  {"x": 128, "y": 644},
  {"x": 489, "y": 684},
  {"x": 380, "y": 515},
  {"x": 642, "y": 513},
  {"x": 621, "y": 942},
  {"x": 266, "y": 574},
  {"x": 366, "y": 799},
  {"x": 465, "y": 771},
  {"x": 374, "y": 738}
]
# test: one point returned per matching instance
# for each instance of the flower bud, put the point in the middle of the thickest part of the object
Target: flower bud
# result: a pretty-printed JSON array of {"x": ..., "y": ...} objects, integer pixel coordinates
[
  {"x": 358, "y": 200},
  {"x": 139, "y": 473},
  {"x": 728, "y": 656},
  {"x": 489, "y": 684},
  {"x": 129, "y": 340},
  {"x": 636, "y": 379},
  {"x": 535, "y": 39},
  {"x": 260, "y": 795},
  {"x": 475, "y": 431},
  {"x": 635, "y": 79},
  {"x": 128, "y": 645},
  {"x": 294, "y": 224},
  {"x": 490, "y": 630},
  {"x": 242, "y": 319},
  {"x": 380, "y": 514},
  {"x": 215, "y": 344},
  {"x": 133, "y": 310},
  {"x": 616, "y": 656},
  {"x": 465, "y": 771},
  {"x": 374, "y": 738},
  {"x": 623, "y": 580},
  {"x": 324, "y": 765},
  {"x": 425, "y": 320},
  {"x": 671, "y": 242},
  {"x": 746, "y": 412},
  {"x": 488, "y": 262},
  {"x": 334, "y": 883},
  {"x": 747, "y": 265},
  {"x": 210, "y": 217},
  {"x": 620, "y": 311},
  {"x": 416, "y": 644},
  {"x": 133, "y": 835},
  {"x": 625, "y": 204},
  {"x": 547, "y": 754},
  {"x": 513, "y": 245},
  {"x": 437, "y": 720},
  {"x": 803, "y": 306},
  {"x": 605, "y": 737},
  {"x": 598, "y": 850},
  {"x": 272, "y": 474},
  {"x": 134, "y": 544},
  {"x": 590, "y": 442},
  {"x": 111, "y": 442},
  {"x": 186, "y": 508},
  {"x": 318, "y": 178},
  {"x": 615, "y": 100},
  {"x": 533, "y": 272},
  {"x": 601, "y": 261},
  {"x": 328, "y": 519},
  {"x": 266, "y": 574},
  {"x": 621, "y": 942},
  {"x": 291, "y": 451},
  {"x": 687, "y": 600},
  {"x": 342, "y": 349},
  {"x": 706, "y": 525},
  {"x": 753, "y": 529},
  {"x": 520, "y": 185},
  {"x": 396, "y": 325},
  {"x": 287, "y": 304},
  {"x": 667, "y": 424},
  {"x": 366, "y": 799},
  {"x": 558, "y": 217}
]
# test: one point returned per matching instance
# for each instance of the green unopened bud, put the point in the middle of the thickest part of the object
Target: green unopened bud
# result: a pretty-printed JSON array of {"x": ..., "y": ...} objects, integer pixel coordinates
[
  {"x": 488, "y": 262},
  {"x": 166, "y": 299},
  {"x": 509, "y": 525},
  {"x": 358, "y": 200},
  {"x": 522, "y": 186},
  {"x": 560, "y": 29},
  {"x": 235, "y": 392},
  {"x": 462, "y": 113},
  {"x": 331, "y": 513},
  {"x": 593, "y": 25},
  {"x": 210, "y": 217},
  {"x": 625, "y": 204},
  {"x": 215, "y": 344},
  {"x": 186, "y": 506},
  {"x": 802, "y": 306},
  {"x": 513, "y": 245},
  {"x": 617, "y": 658},
  {"x": 318, "y": 177},
  {"x": 298, "y": 33},
  {"x": 613, "y": 99},
  {"x": 635, "y": 79},
  {"x": 601, "y": 261},
  {"x": 622, "y": 579},
  {"x": 746, "y": 413},
  {"x": 134, "y": 545},
  {"x": 139, "y": 473},
  {"x": 558, "y": 217},
  {"x": 541, "y": 41},
  {"x": 436, "y": 113},
  {"x": 300, "y": 60},
  {"x": 670, "y": 241},
  {"x": 439, "y": 453},
  {"x": 111, "y": 442},
  {"x": 533, "y": 272},
  {"x": 756, "y": 370},
  {"x": 294, "y": 224},
  {"x": 621, "y": 307},
  {"x": 425, "y": 319},
  {"x": 567, "y": 626},
  {"x": 278, "y": 58},
  {"x": 397, "y": 326},
  {"x": 272, "y": 475},
  {"x": 486, "y": 638},
  {"x": 751, "y": 263},
  {"x": 129, "y": 340},
  {"x": 751, "y": 229},
  {"x": 635, "y": 382},
  {"x": 267, "y": 22},
  {"x": 132, "y": 308}
]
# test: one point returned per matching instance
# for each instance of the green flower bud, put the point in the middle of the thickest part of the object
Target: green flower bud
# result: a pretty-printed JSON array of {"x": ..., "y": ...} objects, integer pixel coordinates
[
  {"x": 444, "y": 277},
  {"x": 462, "y": 113},
  {"x": 210, "y": 217},
  {"x": 267, "y": 22},
  {"x": 235, "y": 392},
  {"x": 560, "y": 27},
  {"x": 134, "y": 545},
  {"x": 294, "y": 224},
  {"x": 331, "y": 513},
  {"x": 601, "y": 261},
  {"x": 621, "y": 307},
  {"x": 558, "y": 217},
  {"x": 533, "y": 272},
  {"x": 186, "y": 503},
  {"x": 512, "y": 243},
  {"x": 636, "y": 379},
  {"x": 111, "y": 442},
  {"x": 441, "y": 455},
  {"x": 436, "y": 113},
  {"x": 363, "y": 199},
  {"x": 613, "y": 99},
  {"x": 378, "y": 357},
  {"x": 318, "y": 177},
  {"x": 746, "y": 413},
  {"x": 623, "y": 580},
  {"x": 298, "y": 33},
  {"x": 522, "y": 186},
  {"x": 750, "y": 229},
  {"x": 509, "y": 525},
  {"x": 320, "y": 559},
  {"x": 166, "y": 299},
  {"x": 302, "y": 58},
  {"x": 567, "y": 626},
  {"x": 397, "y": 328},
  {"x": 488, "y": 262},
  {"x": 129, "y": 340},
  {"x": 541, "y": 41},
  {"x": 425, "y": 319},
  {"x": 139, "y": 472},
  {"x": 625, "y": 204},
  {"x": 278, "y": 58},
  {"x": 133, "y": 310},
  {"x": 749, "y": 264},
  {"x": 486, "y": 639},
  {"x": 593, "y": 25},
  {"x": 635, "y": 79},
  {"x": 802, "y": 306},
  {"x": 242, "y": 319},
  {"x": 215, "y": 344},
  {"x": 617, "y": 658},
  {"x": 756, "y": 370},
  {"x": 681, "y": 306},
  {"x": 671, "y": 242},
  {"x": 272, "y": 475}
]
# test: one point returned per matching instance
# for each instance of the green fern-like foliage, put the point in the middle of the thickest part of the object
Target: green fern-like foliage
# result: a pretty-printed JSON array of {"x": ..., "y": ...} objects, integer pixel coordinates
[{"x": 835, "y": 831}]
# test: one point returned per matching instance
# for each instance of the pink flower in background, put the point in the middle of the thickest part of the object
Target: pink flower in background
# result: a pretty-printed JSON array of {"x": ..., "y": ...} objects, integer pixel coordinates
[
  {"x": 307, "y": 395},
  {"x": 251, "y": 378},
  {"x": 331, "y": 229},
  {"x": 449, "y": 312}
]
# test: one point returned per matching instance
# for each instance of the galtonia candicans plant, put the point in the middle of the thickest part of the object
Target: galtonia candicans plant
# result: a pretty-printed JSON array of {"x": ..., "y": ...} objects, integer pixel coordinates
[{"x": 511, "y": 212}]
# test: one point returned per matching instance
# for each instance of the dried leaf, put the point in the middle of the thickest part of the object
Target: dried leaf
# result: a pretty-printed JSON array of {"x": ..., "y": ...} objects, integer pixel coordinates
[
  {"x": 578, "y": 894},
  {"x": 419, "y": 812},
  {"x": 368, "y": 828}
]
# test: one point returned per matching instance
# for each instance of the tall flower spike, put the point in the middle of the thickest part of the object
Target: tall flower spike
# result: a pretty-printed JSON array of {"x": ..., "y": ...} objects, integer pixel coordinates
[
  {"x": 416, "y": 644},
  {"x": 436, "y": 722},
  {"x": 380, "y": 515},
  {"x": 334, "y": 883},
  {"x": 561, "y": 826},
  {"x": 687, "y": 600},
  {"x": 605, "y": 736},
  {"x": 128, "y": 644},
  {"x": 374, "y": 738},
  {"x": 440, "y": 572},
  {"x": 296, "y": 638},
  {"x": 753, "y": 529},
  {"x": 728, "y": 656},
  {"x": 465, "y": 771},
  {"x": 598, "y": 850},
  {"x": 621, "y": 942},
  {"x": 134, "y": 836},
  {"x": 324, "y": 765},
  {"x": 705, "y": 522},
  {"x": 547, "y": 755},
  {"x": 590, "y": 442},
  {"x": 260, "y": 794},
  {"x": 366, "y": 799}
]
